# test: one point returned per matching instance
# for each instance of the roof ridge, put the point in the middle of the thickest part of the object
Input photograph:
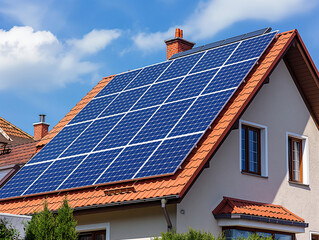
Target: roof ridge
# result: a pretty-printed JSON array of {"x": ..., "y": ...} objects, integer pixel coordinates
[{"x": 18, "y": 129}]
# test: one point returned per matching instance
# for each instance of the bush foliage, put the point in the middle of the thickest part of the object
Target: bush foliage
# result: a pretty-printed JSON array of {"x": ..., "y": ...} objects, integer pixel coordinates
[
  {"x": 7, "y": 232},
  {"x": 200, "y": 235},
  {"x": 48, "y": 226}
]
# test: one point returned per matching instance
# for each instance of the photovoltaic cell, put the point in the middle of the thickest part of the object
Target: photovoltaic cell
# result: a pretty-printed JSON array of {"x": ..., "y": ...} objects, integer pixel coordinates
[
  {"x": 91, "y": 168},
  {"x": 251, "y": 48},
  {"x": 162, "y": 122},
  {"x": 157, "y": 94},
  {"x": 130, "y": 160},
  {"x": 93, "y": 109},
  {"x": 192, "y": 85},
  {"x": 201, "y": 114},
  {"x": 230, "y": 76},
  {"x": 54, "y": 175},
  {"x": 124, "y": 102},
  {"x": 118, "y": 83},
  {"x": 180, "y": 67},
  {"x": 92, "y": 136},
  {"x": 22, "y": 180},
  {"x": 148, "y": 75},
  {"x": 214, "y": 58},
  {"x": 143, "y": 123},
  {"x": 59, "y": 143},
  {"x": 126, "y": 129},
  {"x": 168, "y": 156}
]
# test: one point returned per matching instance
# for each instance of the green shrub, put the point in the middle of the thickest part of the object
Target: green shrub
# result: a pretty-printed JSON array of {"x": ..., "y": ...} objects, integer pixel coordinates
[
  {"x": 47, "y": 226},
  {"x": 190, "y": 235},
  {"x": 7, "y": 232}
]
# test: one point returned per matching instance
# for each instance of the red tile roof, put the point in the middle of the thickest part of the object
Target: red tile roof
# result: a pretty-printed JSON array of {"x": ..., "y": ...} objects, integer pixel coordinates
[
  {"x": 16, "y": 134},
  {"x": 175, "y": 185},
  {"x": 238, "y": 206},
  {"x": 20, "y": 154}
]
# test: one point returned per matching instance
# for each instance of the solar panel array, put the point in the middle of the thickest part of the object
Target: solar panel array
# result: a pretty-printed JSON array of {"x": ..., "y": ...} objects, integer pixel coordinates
[
  {"x": 143, "y": 123},
  {"x": 222, "y": 42}
]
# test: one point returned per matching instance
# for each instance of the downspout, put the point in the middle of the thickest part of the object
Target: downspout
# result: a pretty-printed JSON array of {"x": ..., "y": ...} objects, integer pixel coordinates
[{"x": 168, "y": 220}]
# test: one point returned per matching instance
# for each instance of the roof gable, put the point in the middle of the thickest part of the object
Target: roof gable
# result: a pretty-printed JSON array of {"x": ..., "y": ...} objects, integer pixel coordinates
[{"x": 177, "y": 185}]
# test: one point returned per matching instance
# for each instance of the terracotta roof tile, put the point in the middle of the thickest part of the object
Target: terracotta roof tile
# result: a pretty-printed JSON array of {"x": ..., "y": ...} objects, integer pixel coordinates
[
  {"x": 19, "y": 154},
  {"x": 12, "y": 130},
  {"x": 169, "y": 185},
  {"x": 238, "y": 206}
]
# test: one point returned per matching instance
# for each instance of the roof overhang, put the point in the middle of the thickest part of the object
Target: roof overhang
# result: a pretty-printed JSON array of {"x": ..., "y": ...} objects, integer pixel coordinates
[{"x": 267, "y": 224}]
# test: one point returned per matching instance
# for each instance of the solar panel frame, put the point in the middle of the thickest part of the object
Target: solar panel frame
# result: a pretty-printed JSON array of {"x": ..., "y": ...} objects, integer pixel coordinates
[{"x": 167, "y": 137}]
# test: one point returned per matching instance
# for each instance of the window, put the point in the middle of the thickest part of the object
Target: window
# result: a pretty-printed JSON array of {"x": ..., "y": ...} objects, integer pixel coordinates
[
  {"x": 240, "y": 232},
  {"x": 97, "y": 235},
  {"x": 295, "y": 159},
  {"x": 250, "y": 149}
]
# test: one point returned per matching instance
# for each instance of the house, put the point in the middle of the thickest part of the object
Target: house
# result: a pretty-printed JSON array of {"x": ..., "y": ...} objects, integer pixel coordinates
[
  {"x": 16, "y": 149},
  {"x": 254, "y": 168}
]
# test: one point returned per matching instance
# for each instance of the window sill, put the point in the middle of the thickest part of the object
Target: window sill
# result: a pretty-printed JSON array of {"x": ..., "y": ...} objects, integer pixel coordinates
[
  {"x": 254, "y": 175},
  {"x": 299, "y": 184}
]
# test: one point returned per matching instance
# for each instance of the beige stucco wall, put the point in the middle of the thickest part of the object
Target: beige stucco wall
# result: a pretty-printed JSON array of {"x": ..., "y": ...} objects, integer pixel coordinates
[
  {"x": 279, "y": 107},
  {"x": 131, "y": 223}
]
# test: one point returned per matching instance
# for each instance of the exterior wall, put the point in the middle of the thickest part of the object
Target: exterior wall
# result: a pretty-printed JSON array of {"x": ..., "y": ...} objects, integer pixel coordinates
[
  {"x": 132, "y": 223},
  {"x": 280, "y": 107},
  {"x": 16, "y": 221}
]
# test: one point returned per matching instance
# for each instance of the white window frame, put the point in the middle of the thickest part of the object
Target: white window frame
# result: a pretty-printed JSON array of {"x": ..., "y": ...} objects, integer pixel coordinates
[
  {"x": 314, "y": 233},
  {"x": 95, "y": 227},
  {"x": 305, "y": 156},
  {"x": 263, "y": 145}
]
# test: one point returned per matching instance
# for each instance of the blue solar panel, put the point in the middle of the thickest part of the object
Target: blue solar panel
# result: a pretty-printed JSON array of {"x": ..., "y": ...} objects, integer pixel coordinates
[
  {"x": 90, "y": 169},
  {"x": 157, "y": 94},
  {"x": 61, "y": 141},
  {"x": 214, "y": 58},
  {"x": 148, "y": 75},
  {"x": 54, "y": 175},
  {"x": 143, "y": 123},
  {"x": 192, "y": 85},
  {"x": 93, "y": 109},
  {"x": 162, "y": 122},
  {"x": 124, "y": 102},
  {"x": 230, "y": 76},
  {"x": 118, "y": 83},
  {"x": 168, "y": 156},
  {"x": 180, "y": 67},
  {"x": 126, "y": 165},
  {"x": 201, "y": 114},
  {"x": 251, "y": 48},
  {"x": 92, "y": 136},
  {"x": 23, "y": 179},
  {"x": 126, "y": 129},
  {"x": 233, "y": 39},
  {"x": 212, "y": 45}
]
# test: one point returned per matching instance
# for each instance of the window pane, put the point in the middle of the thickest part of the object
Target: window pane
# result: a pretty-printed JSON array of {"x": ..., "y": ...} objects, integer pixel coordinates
[
  {"x": 243, "y": 149},
  {"x": 283, "y": 237},
  {"x": 235, "y": 234},
  {"x": 100, "y": 236},
  {"x": 87, "y": 236},
  {"x": 264, "y": 235},
  {"x": 296, "y": 160},
  {"x": 253, "y": 151}
]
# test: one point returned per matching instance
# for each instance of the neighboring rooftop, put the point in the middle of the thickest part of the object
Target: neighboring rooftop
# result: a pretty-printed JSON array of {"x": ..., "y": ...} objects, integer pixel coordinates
[{"x": 13, "y": 135}]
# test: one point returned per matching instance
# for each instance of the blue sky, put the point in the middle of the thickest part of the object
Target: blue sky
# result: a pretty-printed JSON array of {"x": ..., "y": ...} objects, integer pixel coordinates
[{"x": 53, "y": 52}]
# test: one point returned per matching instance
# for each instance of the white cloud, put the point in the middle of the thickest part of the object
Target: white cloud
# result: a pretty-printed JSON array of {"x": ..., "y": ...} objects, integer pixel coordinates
[
  {"x": 213, "y": 16},
  {"x": 94, "y": 41},
  {"x": 38, "y": 60}
]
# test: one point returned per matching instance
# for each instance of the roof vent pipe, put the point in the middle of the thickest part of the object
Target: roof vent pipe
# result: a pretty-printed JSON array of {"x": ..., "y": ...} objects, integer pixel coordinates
[
  {"x": 42, "y": 118},
  {"x": 168, "y": 220}
]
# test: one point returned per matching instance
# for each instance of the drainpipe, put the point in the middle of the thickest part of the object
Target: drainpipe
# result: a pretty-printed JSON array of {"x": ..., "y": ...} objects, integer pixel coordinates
[{"x": 168, "y": 220}]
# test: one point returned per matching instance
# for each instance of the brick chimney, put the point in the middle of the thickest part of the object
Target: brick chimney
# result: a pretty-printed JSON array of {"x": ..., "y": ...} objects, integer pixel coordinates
[
  {"x": 41, "y": 128},
  {"x": 178, "y": 44}
]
